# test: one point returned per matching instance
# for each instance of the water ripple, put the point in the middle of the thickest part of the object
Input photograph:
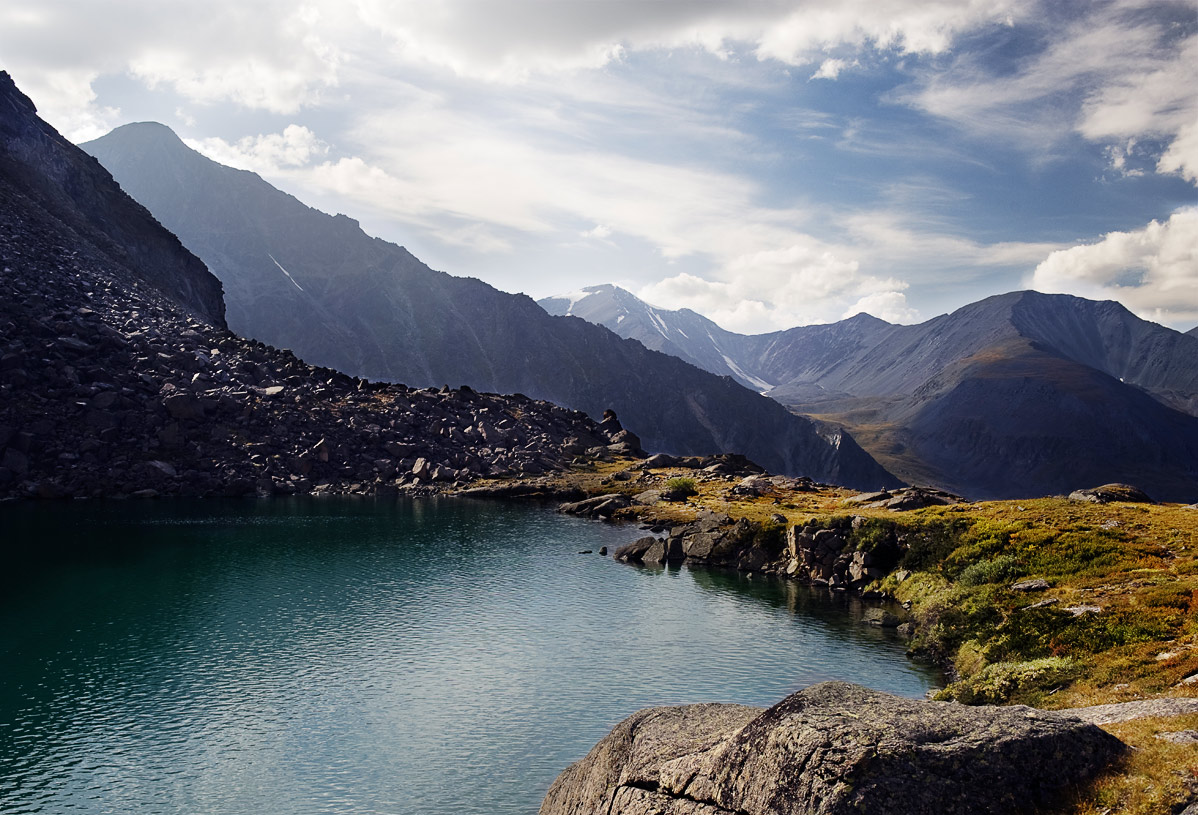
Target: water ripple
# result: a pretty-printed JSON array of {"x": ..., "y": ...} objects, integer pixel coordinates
[{"x": 365, "y": 657}]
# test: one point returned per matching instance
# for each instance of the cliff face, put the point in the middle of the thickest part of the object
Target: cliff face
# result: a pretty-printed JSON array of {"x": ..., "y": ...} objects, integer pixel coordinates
[
  {"x": 73, "y": 188},
  {"x": 317, "y": 284}
]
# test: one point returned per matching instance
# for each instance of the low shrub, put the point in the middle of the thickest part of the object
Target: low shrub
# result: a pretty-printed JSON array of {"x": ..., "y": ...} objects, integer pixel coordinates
[
  {"x": 680, "y": 488},
  {"x": 1004, "y": 682},
  {"x": 1000, "y": 569}
]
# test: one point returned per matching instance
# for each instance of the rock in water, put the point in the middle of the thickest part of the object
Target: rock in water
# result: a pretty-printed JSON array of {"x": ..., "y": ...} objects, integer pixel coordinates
[{"x": 832, "y": 748}]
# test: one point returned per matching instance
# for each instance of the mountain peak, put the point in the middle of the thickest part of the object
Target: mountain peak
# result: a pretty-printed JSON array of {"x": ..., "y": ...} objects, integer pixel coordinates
[
  {"x": 864, "y": 318},
  {"x": 12, "y": 95},
  {"x": 146, "y": 138}
]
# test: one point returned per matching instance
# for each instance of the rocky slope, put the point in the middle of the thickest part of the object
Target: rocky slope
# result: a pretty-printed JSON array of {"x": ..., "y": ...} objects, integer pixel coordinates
[
  {"x": 117, "y": 376},
  {"x": 318, "y": 285},
  {"x": 1017, "y": 395},
  {"x": 72, "y": 188},
  {"x": 833, "y": 748}
]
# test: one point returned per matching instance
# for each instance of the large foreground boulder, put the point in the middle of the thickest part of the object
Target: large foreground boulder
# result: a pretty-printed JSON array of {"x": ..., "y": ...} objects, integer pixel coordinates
[{"x": 832, "y": 748}]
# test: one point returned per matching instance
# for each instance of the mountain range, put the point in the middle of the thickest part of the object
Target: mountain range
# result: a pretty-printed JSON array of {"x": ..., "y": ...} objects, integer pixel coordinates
[
  {"x": 316, "y": 284},
  {"x": 1015, "y": 395}
]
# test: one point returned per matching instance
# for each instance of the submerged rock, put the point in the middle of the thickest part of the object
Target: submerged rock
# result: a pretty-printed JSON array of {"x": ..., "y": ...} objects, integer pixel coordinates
[{"x": 833, "y": 748}]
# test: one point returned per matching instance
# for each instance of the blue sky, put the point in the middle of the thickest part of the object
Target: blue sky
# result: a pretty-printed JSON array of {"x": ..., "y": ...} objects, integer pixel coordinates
[{"x": 765, "y": 163}]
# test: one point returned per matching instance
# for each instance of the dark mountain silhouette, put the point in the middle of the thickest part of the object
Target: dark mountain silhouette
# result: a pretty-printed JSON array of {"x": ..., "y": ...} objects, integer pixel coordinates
[
  {"x": 317, "y": 284},
  {"x": 1015, "y": 395}
]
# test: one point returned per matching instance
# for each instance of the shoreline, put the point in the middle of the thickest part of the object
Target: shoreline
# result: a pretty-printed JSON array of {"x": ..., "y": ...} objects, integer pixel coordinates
[{"x": 1057, "y": 603}]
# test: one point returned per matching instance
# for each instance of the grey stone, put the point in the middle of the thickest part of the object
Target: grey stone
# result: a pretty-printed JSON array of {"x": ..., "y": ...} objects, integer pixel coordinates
[
  {"x": 830, "y": 749},
  {"x": 1180, "y": 737},
  {"x": 1140, "y": 709},
  {"x": 635, "y": 552},
  {"x": 1038, "y": 584},
  {"x": 647, "y": 498}
]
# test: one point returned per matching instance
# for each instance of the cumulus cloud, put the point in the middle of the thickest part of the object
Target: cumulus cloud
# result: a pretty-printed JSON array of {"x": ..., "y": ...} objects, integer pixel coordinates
[
  {"x": 1153, "y": 271},
  {"x": 296, "y": 146},
  {"x": 800, "y": 284},
  {"x": 1182, "y": 155}
]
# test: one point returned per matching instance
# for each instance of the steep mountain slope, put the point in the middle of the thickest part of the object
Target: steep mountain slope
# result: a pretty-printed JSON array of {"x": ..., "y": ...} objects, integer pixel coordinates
[
  {"x": 1018, "y": 394},
  {"x": 317, "y": 284},
  {"x": 109, "y": 386},
  {"x": 68, "y": 185}
]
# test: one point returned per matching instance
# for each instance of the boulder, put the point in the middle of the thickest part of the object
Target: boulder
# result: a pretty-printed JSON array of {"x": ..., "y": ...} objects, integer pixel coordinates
[
  {"x": 647, "y": 498},
  {"x": 1109, "y": 493},
  {"x": 599, "y": 506},
  {"x": 830, "y": 749},
  {"x": 184, "y": 405},
  {"x": 636, "y": 551}
]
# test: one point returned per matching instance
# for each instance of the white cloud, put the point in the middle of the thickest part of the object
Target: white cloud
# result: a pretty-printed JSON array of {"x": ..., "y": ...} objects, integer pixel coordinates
[
  {"x": 1113, "y": 75},
  {"x": 800, "y": 284},
  {"x": 270, "y": 55},
  {"x": 65, "y": 99},
  {"x": 1153, "y": 271},
  {"x": 1182, "y": 155},
  {"x": 830, "y": 69},
  {"x": 508, "y": 40},
  {"x": 890, "y": 306},
  {"x": 296, "y": 146}
]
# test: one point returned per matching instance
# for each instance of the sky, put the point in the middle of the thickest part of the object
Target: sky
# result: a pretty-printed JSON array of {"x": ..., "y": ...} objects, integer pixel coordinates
[{"x": 767, "y": 163}]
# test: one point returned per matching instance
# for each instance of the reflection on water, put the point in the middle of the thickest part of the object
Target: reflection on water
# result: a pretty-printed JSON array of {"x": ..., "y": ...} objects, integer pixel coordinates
[{"x": 359, "y": 656}]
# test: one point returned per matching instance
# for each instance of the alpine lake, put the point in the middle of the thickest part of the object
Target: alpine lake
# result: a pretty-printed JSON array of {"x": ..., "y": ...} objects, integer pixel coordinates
[{"x": 415, "y": 657}]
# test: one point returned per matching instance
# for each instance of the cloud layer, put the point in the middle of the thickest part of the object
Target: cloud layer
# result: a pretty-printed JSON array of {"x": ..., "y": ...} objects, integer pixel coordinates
[{"x": 767, "y": 163}]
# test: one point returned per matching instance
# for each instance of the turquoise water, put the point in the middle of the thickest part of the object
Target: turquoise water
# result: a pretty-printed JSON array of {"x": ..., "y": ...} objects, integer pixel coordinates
[{"x": 358, "y": 656}]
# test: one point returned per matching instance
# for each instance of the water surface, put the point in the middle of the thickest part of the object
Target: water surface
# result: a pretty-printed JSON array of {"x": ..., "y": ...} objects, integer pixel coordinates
[{"x": 359, "y": 656}]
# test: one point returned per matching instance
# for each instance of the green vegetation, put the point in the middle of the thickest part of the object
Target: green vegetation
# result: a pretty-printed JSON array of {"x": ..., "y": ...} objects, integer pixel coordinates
[{"x": 679, "y": 488}]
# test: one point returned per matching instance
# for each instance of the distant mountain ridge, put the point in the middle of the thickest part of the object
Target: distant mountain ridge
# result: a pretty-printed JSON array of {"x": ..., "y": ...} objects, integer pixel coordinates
[
  {"x": 1018, "y": 394},
  {"x": 684, "y": 333},
  {"x": 314, "y": 283}
]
